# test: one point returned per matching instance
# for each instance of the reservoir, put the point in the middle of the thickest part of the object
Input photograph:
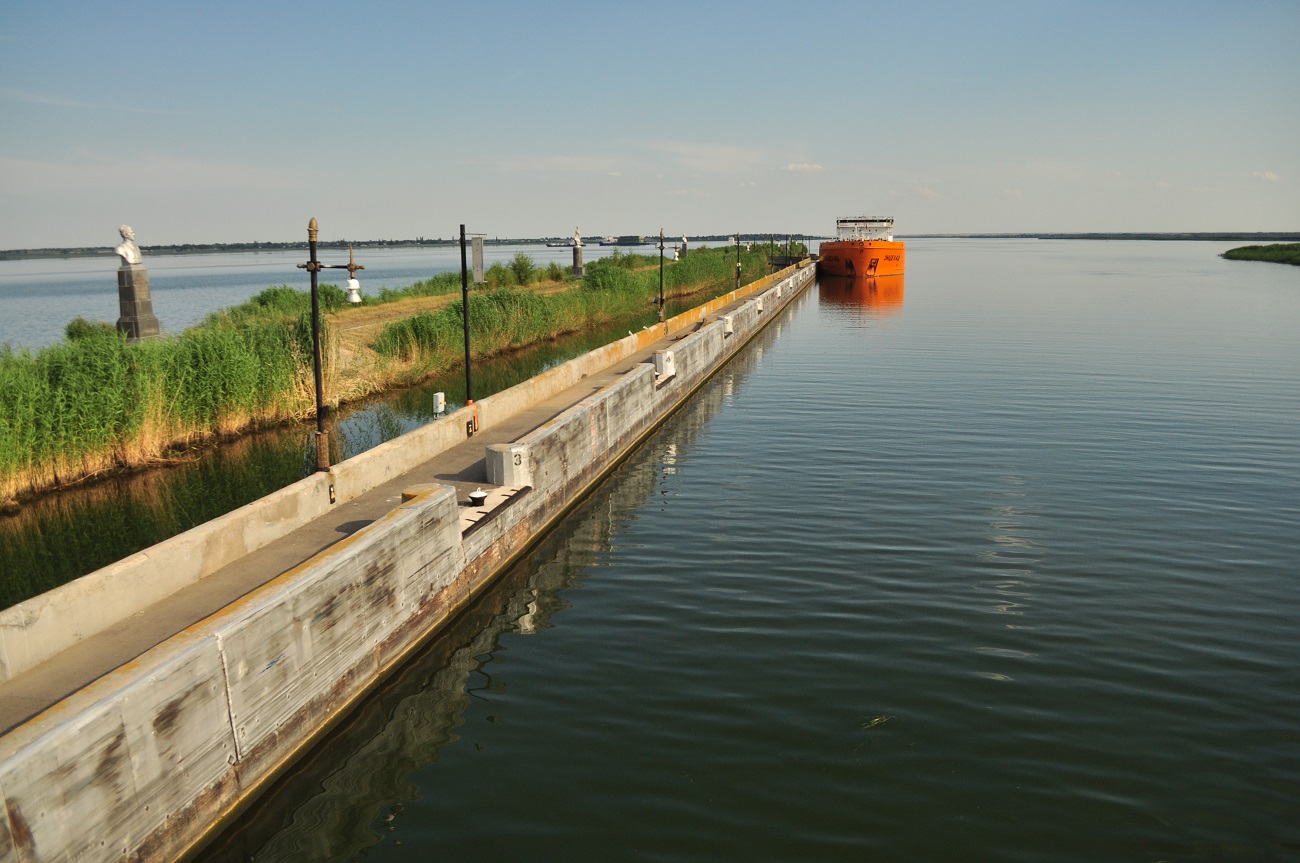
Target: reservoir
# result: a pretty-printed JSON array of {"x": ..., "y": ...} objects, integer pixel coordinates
[{"x": 1002, "y": 565}]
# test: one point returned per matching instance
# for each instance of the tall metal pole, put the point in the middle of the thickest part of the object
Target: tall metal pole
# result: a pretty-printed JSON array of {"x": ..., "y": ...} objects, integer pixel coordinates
[
  {"x": 313, "y": 267},
  {"x": 464, "y": 294},
  {"x": 737, "y": 260},
  {"x": 661, "y": 276}
]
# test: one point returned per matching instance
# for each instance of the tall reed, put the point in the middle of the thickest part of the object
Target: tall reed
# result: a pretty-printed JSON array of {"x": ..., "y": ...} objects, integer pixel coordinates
[
  {"x": 83, "y": 406},
  {"x": 615, "y": 288},
  {"x": 93, "y": 402}
]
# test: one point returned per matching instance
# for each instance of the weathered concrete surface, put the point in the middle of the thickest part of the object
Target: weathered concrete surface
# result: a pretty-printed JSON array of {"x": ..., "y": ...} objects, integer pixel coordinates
[
  {"x": 137, "y": 764},
  {"x": 147, "y": 760},
  {"x": 47, "y": 625},
  {"x": 43, "y": 626}
]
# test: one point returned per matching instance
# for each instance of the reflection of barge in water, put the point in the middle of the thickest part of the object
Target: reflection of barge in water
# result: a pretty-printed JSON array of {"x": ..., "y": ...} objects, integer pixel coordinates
[
  {"x": 877, "y": 296},
  {"x": 863, "y": 247}
]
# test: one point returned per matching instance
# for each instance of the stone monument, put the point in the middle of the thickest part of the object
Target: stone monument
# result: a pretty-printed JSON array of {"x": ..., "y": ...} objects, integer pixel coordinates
[
  {"x": 577, "y": 253},
  {"x": 137, "y": 320}
]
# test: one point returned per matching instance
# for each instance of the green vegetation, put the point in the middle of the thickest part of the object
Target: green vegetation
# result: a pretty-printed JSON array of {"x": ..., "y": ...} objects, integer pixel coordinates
[
  {"x": 1277, "y": 253},
  {"x": 95, "y": 403},
  {"x": 614, "y": 288}
]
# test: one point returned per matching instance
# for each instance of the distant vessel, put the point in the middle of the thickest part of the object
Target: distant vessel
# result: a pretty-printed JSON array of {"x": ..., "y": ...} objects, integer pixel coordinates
[
  {"x": 862, "y": 247},
  {"x": 558, "y": 244},
  {"x": 625, "y": 240}
]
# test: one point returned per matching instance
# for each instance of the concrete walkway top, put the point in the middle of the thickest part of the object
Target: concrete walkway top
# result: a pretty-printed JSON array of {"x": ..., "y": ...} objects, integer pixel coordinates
[{"x": 463, "y": 466}]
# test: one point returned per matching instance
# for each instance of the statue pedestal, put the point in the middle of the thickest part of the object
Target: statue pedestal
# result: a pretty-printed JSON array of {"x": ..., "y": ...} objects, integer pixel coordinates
[
  {"x": 137, "y": 320},
  {"x": 577, "y": 261}
]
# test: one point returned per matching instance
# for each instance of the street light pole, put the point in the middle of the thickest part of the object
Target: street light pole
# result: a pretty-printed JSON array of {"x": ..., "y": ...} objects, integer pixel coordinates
[
  {"x": 314, "y": 266},
  {"x": 464, "y": 304},
  {"x": 737, "y": 260},
  {"x": 661, "y": 279}
]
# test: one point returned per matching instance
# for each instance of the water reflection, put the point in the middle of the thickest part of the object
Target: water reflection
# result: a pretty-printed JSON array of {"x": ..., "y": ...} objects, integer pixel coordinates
[
  {"x": 1006, "y": 570},
  {"x": 876, "y": 296},
  {"x": 59, "y": 537},
  {"x": 349, "y": 794},
  {"x": 62, "y": 536}
]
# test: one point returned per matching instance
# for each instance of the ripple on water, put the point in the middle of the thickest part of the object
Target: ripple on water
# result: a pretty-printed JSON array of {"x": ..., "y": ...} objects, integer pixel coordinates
[{"x": 1008, "y": 571}]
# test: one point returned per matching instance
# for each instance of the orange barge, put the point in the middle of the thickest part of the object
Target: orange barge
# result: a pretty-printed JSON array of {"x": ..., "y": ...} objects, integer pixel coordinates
[{"x": 862, "y": 247}]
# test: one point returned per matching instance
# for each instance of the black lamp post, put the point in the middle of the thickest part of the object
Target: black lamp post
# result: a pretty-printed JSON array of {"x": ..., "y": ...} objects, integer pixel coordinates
[
  {"x": 464, "y": 302},
  {"x": 661, "y": 276},
  {"x": 313, "y": 266},
  {"x": 737, "y": 260}
]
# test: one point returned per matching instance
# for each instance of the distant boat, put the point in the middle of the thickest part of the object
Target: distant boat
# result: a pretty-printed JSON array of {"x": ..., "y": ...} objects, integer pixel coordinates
[
  {"x": 625, "y": 240},
  {"x": 863, "y": 247},
  {"x": 558, "y": 244}
]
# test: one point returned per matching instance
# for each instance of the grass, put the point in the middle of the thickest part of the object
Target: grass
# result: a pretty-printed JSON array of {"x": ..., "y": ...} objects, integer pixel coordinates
[
  {"x": 94, "y": 403},
  {"x": 1278, "y": 253},
  {"x": 614, "y": 288}
]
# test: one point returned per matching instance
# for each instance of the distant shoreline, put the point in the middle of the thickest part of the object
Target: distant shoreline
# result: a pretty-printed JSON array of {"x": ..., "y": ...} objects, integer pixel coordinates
[
  {"x": 1276, "y": 253},
  {"x": 227, "y": 248},
  {"x": 1203, "y": 236}
]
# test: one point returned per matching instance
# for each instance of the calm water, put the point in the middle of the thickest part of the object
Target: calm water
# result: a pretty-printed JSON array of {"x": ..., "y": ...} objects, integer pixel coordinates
[{"x": 1007, "y": 568}]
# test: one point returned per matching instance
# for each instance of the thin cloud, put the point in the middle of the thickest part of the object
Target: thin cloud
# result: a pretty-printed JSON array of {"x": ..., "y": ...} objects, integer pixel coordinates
[
  {"x": 1265, "y": 176},
  {"x": 804, "y": 167},
  {"x": 561, "y": 165},
  {"x": 9, "y": 95},
  {"x": 709, "y": 158},
  {"x": 97, "y": 172},
  {"x": 1055, "y": 168}
]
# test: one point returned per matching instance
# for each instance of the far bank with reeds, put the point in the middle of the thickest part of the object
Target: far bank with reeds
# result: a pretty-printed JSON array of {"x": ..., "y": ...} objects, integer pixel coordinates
[
  {"x": 94, "y": 403},
  {"x": 1276, "y": 253}
]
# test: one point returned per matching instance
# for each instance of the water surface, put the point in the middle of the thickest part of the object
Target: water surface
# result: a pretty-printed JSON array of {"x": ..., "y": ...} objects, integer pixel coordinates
[{"x": 999, "y": 566}]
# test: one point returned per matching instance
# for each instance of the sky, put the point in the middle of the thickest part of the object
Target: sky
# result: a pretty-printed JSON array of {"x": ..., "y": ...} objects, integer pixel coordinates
[{"x": 238, "y": 121}]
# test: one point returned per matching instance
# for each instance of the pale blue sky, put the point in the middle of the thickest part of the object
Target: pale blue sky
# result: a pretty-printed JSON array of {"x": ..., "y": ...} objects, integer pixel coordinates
[{"x": 238, "y": 121}]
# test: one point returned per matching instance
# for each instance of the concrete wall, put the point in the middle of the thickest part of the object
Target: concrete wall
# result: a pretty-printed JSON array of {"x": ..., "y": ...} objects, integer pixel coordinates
[
  {"x": 147, "y": 761},
  {"x": 137, "y": 764},
  {"x": 43, "y": 626}
]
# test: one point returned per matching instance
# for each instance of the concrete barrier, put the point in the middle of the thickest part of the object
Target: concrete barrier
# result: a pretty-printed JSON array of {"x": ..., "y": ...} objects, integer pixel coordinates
[
  {"x": 43, "y": 626},
  {"x": 152, "y": 758},
  {"x": 137, "y": 764}
]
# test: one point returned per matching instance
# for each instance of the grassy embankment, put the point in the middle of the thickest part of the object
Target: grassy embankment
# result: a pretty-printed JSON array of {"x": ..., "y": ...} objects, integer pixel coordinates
[
  {"x": 1278, "y": 253},
  {"x": 93, "y": 403}
]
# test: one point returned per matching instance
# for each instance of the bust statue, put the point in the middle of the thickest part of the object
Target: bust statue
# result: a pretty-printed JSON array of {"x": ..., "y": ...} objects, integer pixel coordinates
[{"x": 129, "y": 251}]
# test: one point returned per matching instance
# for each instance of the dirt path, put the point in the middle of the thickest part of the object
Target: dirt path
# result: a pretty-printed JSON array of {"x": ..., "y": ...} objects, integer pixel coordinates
[
  {"x": 362, "y": 372},
  {"x": 358, "y": 327}
]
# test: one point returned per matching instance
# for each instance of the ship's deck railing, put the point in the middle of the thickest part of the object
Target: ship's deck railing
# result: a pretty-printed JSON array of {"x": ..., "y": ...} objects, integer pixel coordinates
[{"x": 865, "y": 229}]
